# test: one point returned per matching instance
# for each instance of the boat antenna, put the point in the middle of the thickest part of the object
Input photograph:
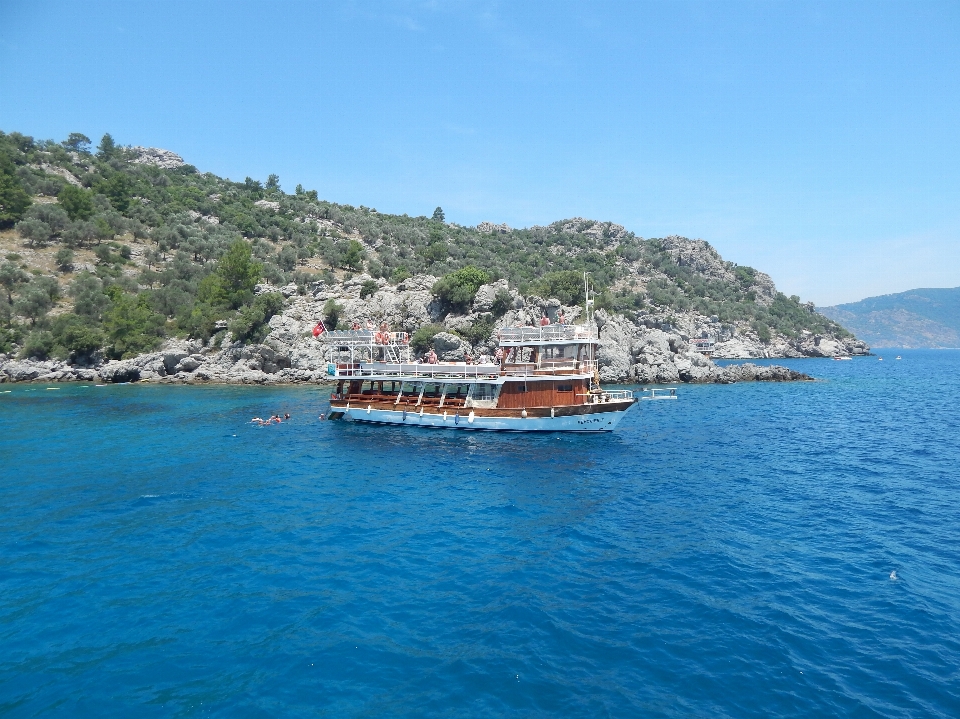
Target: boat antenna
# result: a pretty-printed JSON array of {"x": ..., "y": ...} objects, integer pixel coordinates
[{"x": 587, "y": 301}]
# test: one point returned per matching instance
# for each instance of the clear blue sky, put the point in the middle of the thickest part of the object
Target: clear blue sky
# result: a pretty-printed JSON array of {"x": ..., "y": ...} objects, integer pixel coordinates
[{"x": 819, "y": 142}]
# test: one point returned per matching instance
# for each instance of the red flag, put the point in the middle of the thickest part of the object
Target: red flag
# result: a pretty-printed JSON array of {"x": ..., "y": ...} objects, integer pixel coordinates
[{"x": 319, "y": 329}]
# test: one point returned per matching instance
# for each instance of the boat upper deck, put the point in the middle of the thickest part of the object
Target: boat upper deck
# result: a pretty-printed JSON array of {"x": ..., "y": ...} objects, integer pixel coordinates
[
  {"x": 548, "y": 350},
  {"x": 548, "y": 334}
]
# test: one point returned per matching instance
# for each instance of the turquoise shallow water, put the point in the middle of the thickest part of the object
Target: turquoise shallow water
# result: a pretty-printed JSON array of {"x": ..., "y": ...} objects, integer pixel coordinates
[{"x": 726, "y": 555}]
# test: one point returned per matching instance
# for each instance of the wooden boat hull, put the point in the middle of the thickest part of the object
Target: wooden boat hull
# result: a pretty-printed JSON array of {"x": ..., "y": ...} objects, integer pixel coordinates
[{"x": 581, "y": 418}]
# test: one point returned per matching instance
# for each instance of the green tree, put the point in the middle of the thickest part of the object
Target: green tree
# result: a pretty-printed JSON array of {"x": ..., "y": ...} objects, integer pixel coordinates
[
  {"x": 332, "y": 312},
  {"x": 89, "y": 299},
  {"x": 64, "y": 259},
  {"x": 250, "y": 323},
  {"x": 77, "y": 141},
  {"x": 107, "y": 147},
  {"x": 36, "y": 231},
  {"x": 566, "y": 286},
  {"x": 39, "y": 344},
  {"x": 77, "y": 202},
  {"x": 131, "y": 326},
  {"x": 353, "y": 256},
  {"x": 119, "y": 189},
  {"x": 287, "y": 258},
  {"x": 438, "y": 215},
  {"x": 399, "y": 275},
  {"x": 11, "y": 277},
  {"x": 502, "y": 302},
  {"x": 33, "y": 303},
  {"x": 14, "y": 200},
  {"x": 74, "y": 336},
  {"x": 273, "y": 182},
  {"x": 437, "y": 251},
  {"x": 236, "y": 276},
  {"x": 457, "y": 290},
  {"x": 52, "y": 214},
  {"x": 80, "y": 232},
  {"x": 368, "y": 289}
]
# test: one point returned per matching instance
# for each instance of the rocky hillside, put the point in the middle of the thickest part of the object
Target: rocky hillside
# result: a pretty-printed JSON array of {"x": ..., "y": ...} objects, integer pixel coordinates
[
  {"x": 290, "y": 354},
  {"x": 918, "y": 318},
  {"x": 114, "y": 256}
]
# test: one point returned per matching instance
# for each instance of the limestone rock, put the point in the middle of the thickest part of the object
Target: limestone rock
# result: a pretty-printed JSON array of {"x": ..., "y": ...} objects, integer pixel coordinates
[
  {"x": 120, "y": 371},
  {"x": 486, "y": 294},
  {"x": 22, "y": 371},
  {"x": 450, "y": 348},
  {"x": 155, "y": 156}
]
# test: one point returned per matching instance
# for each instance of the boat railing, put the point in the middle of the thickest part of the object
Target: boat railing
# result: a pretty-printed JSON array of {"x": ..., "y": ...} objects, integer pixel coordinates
[
  {"x": 365, "y": 338},
  {"x": 664, "y": 393},
  {"x": 616, "y": 395},
  {"x": 387, "y": 370},
  {"x": 547, "y": 333},
  {"x": 549, "y": 367}
]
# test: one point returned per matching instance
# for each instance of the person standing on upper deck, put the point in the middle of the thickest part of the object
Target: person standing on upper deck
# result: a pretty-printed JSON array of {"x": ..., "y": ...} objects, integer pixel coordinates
[
  {"x": 432, "y": 357},
  {"x": 544, "y": 321}
]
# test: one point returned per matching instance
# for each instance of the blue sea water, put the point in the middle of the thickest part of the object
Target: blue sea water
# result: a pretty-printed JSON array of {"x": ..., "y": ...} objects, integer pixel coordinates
[{"x": 754, "y": 550}]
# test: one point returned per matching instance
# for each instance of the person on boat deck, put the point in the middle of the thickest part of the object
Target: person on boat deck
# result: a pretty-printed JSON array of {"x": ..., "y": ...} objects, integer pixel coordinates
[
  {"x": 431, "y": 357},
  {"x": 370, "y": 325},
  {"x": 355, "y": 325},
  {"x": 561, "y": 318},
  {"x": 468, "y": 358},
  {"x": 498, "y": 355},
  {"x": 384, "y": 327},
  {"x": 544, "y": 321}
]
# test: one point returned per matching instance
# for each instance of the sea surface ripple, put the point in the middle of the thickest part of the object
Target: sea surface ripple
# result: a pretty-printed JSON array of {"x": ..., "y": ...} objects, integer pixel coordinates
[{"x": 755, "y": 550}]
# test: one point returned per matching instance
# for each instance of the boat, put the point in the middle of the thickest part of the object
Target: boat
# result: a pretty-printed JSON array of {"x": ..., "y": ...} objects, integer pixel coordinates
[
  {"x": 898, "y": 357},
  {"x": 840, "y": 359},
  {"x": 544, "y": 380}
]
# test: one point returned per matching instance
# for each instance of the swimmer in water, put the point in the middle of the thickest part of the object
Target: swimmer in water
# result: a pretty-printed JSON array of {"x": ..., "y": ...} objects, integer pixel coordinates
[
  {"x": 286, "y": 415},
  {"x": 321, "y": 416}
]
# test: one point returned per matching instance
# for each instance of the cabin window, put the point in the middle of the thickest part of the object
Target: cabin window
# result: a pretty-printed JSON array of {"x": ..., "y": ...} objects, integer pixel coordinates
[
  {"x": 432, "y": 390},
  {"x": 484, "y": 392},
  {"x": 564, "y": 388},
  {"x": 458, "y": 390},
  {"x": 483, "y": 395}
]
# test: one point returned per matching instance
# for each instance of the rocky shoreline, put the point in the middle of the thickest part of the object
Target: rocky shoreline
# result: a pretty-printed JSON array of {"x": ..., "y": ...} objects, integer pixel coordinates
[{"x": 631, "y": 351}]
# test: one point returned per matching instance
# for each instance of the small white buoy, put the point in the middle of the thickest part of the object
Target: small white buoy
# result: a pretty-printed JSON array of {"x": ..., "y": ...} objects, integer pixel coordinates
[
  {"x": 368, "y": 409},
  {"x": 470, "y": 417},
  {"x": 524, "y": 414}
]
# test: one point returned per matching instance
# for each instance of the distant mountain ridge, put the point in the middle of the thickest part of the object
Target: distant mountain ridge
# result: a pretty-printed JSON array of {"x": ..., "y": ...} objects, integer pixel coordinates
[{"x": 927, "y": 317}]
